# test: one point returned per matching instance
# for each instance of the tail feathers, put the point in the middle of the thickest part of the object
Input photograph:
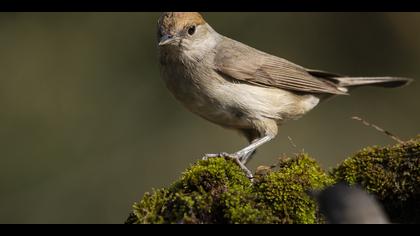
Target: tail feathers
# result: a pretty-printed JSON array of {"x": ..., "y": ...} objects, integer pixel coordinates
[
  {"x": 346, "y": 81},
  {"x": 387, "y": 82}
]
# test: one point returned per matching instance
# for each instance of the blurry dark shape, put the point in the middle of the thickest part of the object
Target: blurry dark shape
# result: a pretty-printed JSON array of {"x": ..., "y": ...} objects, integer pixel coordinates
[{"x": 342, "y": 204}]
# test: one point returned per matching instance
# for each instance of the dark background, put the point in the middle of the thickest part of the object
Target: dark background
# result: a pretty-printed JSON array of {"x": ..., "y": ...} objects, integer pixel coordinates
[{"x": 87, "y": 125}]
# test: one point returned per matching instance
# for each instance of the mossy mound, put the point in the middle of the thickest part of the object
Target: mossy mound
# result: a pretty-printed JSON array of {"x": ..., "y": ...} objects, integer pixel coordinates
[
  {"x": 392, "y": 174},
  {"x": 217, "y": 191},
  {"x": 284, "y": 191}
]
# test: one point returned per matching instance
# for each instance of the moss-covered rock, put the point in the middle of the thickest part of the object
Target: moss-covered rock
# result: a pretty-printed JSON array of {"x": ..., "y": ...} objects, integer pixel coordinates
[
  {"x": 392, "y": 174},
  {"x": 217, "y": 190},
  {"x": 285, "y": 190}
]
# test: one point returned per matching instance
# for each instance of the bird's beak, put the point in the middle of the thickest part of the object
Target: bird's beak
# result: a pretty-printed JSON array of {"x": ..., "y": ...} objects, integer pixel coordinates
[{"x": 167, "y": 39}]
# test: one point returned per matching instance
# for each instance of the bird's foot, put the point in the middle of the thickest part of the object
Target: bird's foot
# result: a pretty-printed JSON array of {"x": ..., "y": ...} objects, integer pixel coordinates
[
  {"x": 222, "y": 154},
  {"x": 235, "y": 157}
]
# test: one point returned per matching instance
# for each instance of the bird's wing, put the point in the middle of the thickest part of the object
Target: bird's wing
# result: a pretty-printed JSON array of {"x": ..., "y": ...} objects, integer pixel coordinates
[
  {"x": 323, "y": 74},
  {"x": 245, "y": 64}
]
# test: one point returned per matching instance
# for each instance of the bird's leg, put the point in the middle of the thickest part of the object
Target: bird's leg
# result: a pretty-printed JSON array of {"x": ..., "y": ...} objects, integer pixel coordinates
[
  {"x": 242, "y": 156},
  {"x": 248, "y": 157},
  {"x": 245, "y": 153}
]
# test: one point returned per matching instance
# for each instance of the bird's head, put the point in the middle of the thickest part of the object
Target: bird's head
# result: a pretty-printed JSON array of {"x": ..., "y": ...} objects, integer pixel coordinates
[{"x": 187, "y": 32}]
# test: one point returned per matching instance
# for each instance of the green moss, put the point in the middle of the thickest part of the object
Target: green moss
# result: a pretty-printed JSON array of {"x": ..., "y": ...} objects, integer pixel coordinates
[
  {"x": 285, "y": 190},
  {"x": 217, "y": 191},
  {"x": 392, "y": 174},
  {"x": 150, "y": 208}
]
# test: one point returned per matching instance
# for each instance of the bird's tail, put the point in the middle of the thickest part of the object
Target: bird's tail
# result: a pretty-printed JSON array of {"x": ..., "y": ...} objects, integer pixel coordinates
[
  {"x": 351, "y": 82},
  {"x": 387, "y": 82}
]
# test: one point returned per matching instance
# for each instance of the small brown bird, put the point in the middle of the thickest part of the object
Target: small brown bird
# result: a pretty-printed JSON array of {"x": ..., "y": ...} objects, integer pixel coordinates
[{"x": 239, "y": 87}]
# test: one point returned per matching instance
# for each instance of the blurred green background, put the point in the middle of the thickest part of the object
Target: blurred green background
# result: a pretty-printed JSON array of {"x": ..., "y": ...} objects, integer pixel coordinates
[{"x": 87, "y": 125}]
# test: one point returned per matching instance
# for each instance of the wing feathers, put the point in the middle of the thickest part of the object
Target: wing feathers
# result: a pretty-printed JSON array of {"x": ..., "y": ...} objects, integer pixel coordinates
[{"x": 252, "y": 66}]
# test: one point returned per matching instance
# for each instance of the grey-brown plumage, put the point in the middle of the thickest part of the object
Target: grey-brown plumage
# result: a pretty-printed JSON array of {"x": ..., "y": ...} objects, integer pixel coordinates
[
  {"x": 271, "y": 71},
  {"x": 239, "y": 87},
  {"x": 243, "y": 63}
]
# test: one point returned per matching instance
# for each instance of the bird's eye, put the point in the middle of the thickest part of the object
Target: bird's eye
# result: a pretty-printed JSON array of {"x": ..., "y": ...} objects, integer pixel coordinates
[{"x": 191, "y": 30}]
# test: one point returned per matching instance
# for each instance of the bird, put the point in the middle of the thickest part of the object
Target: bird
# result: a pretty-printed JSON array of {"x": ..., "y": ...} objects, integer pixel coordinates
[
  {"x": 344, "y": 204},
  {"x": 239, "y": 87}
]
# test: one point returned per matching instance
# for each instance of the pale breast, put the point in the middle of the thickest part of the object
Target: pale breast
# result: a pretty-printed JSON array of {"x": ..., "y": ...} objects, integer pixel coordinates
[
  {"x": 256, "y": 102},
  {"x": 230, "y": 103},
  {"x": 204, "y": 97}
]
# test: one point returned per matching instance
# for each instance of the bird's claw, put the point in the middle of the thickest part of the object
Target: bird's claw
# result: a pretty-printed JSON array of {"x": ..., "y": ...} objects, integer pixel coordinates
[
  {"x": 233, "y": 157},
  {"x": 222, "y": 154}
]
